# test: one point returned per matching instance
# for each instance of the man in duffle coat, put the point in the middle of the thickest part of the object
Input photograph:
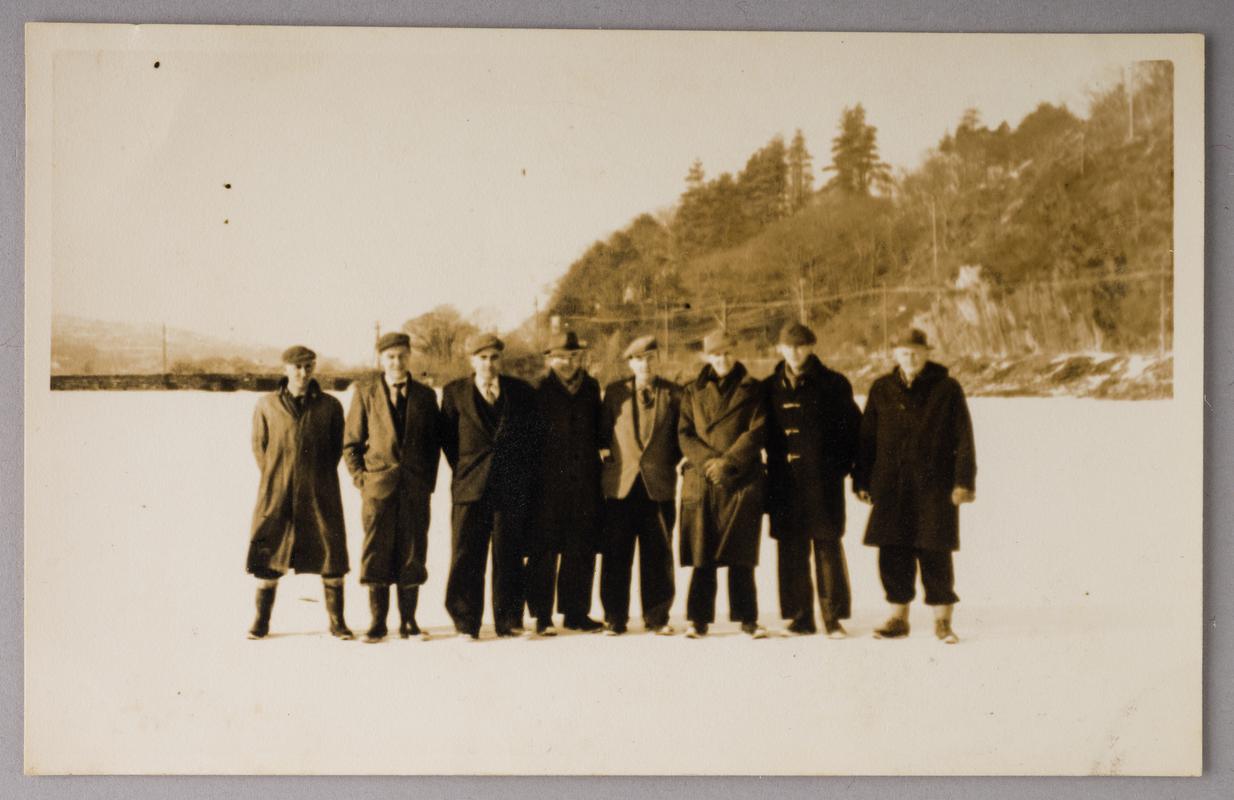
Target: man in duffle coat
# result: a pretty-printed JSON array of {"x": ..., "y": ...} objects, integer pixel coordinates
[
  {"x": 721, "y": 430},
  {"x": 391, "y": 450},
  {"x": 812, "y": 424},
  {"x": 567, "y": 522},
  {"x": 490, "y": 436},
  {"x": 916, "y": 464},
  {"x": 638, "y": 441},
  {"x": 298, "y": 525}
]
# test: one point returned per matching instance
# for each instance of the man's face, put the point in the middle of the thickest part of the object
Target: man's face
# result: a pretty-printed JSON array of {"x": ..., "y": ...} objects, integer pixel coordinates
[
  {"x": 565, "y": 363},
  {"x": 721, "y": 361},
  {"x": 298, "y": 376},
  {"x": 487, "y": 363},
  {"x": 643, "y": 366},
  {"x": 909, "y": 359},
  {"x": 394, "y": 361},
  {"x": 795, "y": 354}
]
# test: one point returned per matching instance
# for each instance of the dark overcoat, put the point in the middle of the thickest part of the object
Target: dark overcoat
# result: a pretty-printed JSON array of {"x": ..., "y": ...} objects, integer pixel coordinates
[
  {"x": 721, "y": 523},
  {"x": 916, "y": 446},
  {"x": 811, "y": 444},
  {"x": 656, "y": 459},
  {"x": 298, "y": 521},
  {"x": 499, "y": 461},
  {"x": 568, "y": 489}
]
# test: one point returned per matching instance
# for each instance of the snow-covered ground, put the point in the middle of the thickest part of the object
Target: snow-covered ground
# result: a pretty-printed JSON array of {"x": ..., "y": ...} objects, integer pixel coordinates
[{"x": 1079, "y": 618}]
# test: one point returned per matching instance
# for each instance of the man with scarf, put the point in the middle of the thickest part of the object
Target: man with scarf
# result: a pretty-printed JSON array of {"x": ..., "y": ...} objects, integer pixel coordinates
[
  {"x": 721, "y": 430},
  {"x": 567, "y": 526},
  {"x": 298, "y": 522}
]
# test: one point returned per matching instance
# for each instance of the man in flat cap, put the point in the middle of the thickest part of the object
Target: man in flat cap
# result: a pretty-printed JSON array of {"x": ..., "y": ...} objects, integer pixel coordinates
[
  {"x": 490, "y": 436},
  {"x": 916, "y": 464},
  {"x": 391, "y": 450},
  {"x": 298, "y": 522},
  {"x": 812, "y": 423},
  {"x": 721, "y": 430},
  {"x": 638, "y": 441},
  {"x": 567, "y": 523}
]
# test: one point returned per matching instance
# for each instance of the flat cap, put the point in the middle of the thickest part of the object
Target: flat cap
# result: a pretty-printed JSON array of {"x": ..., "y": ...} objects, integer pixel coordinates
[
  {"x": 717, "y": 341},
  {"x": 641, "y": 346},
  {"x": 794, "y": 334},
  {"x": 298, "y": 354},
  {"x": 564, "y": 342},
  {"x": 913, "y": 337},
  {"x": 483, "y": 341},
  {"x": 393, "y": 339}
]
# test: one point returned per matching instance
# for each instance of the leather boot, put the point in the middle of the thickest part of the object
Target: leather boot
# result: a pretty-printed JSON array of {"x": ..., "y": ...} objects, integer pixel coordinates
[
  {"x": 379, "y": 605},
  {"x": 407, "y": 599},
  {"x": 334, "y": 607},
  {"x": 265, "y": 604}
]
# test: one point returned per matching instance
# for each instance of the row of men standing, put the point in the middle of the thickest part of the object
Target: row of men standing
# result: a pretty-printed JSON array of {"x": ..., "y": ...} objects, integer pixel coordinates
[{"x": 548, "y": 477}]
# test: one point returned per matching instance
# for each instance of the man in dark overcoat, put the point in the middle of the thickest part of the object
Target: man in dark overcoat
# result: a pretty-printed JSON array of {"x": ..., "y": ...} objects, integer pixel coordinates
[
  {"x": 391, "y": 450},
  {"x": 638, "y": 441},
  {"x": 916, "y": 464},
  {"x": 490, "y": 437},
  {"x": 720, "y": 430},
  {"x": 567, "y": 524},
  {"x": 812, "y": 423},
  {"x": 298, "y": 522}
]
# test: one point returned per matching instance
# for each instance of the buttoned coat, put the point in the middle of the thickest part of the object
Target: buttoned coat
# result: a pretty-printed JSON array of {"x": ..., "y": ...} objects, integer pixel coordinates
[
  {"x": 656, "y": 460},
  {"x": 721, "y": 523},
  {"x": 916, "y": 446},
  {"x": 811, "y": 445},
  {"x": 499, "y": 460},
  {"x": 299, "y": 507},
  {"x": 568, "y": 491}
]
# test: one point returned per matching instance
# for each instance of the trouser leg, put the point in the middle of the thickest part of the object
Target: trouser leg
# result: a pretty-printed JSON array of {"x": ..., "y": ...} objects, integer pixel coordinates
[
  {"x": 793, "y": 577},
  {"x": 834, "y": 594},
  {"x": 655, "y": 567},
  {"x": 471, "y": 525},
  {"x": 701, "y": 598},
  {"x": 541, "y": 577},
  {"x": 938, "y": 577},
  {"x": 577, "y": 577},
  {"x": 381, "y": 532},
  {"x": 742, "y": 595},
  {"x": 411, "y": 547},
  {"x": 617, "y": 563},
  {"x": 897, "y": 568},
  {"x": 508, "y": 587}
]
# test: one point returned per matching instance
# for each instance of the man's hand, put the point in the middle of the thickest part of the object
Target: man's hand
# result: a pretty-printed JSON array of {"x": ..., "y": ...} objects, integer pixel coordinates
[
  {"x": 714, "y": 470},
  {"x": 864, "y": 497},
  {"x": 960, "y": 495}
]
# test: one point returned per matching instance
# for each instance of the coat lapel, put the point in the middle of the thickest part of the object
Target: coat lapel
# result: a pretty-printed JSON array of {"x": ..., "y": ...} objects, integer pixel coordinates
[
  {"x": 381, "y": 401},
  {"x": 468, "y": 405}
]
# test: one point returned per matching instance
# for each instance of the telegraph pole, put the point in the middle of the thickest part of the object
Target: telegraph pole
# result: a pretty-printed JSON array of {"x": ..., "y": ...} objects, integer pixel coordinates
[{"x": 164, "y": 348}]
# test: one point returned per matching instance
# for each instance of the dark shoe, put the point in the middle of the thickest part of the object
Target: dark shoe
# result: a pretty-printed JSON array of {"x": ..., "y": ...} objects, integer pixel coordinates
[
  {"x": 544, "y": 627},
  {"x": 893, "y": 628},
  {"x": 508, "y": 633},
  {"x": 799, "y": 629},
  {"x": 334, "y": 607},
  {"x": 379, "y": 606},
  {"x": 754, "y": 630},
  {"x": 834, "y": 629},
  {"x": 407, "y": 626},
  {"x": 942, "y": 629},
  {"x": 697, "y": 630},
  {"x": 584, "y": 624},
  {"x": 662, "y": 630},
  {"x": 265, "y": 604},
  {"x": 468, "y": 634},
  {"x": 614, "y": 628}
]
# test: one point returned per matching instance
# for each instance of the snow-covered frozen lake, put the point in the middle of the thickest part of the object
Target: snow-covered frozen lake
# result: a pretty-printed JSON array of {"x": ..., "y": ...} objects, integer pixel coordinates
[{"x": 1076, "y": 649}]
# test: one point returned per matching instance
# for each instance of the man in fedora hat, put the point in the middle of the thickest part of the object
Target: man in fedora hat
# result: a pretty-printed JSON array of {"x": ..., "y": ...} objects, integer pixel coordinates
[
  {"x": 812, "y": 423},
  {"x": 638, "y": 443},
  {"x": 490, "y": 437},
  {"x": 916, "y": 464},
  {"x": 721, "y": 430},
  {"x": 298, "y": 522},
  {"x": 391, "y": 450},
  {"x": 567, "y": 523}
]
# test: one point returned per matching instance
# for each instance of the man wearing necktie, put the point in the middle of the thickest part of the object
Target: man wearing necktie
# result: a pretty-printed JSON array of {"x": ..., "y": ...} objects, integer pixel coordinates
[
  {"x": 391, "y": 448},
  {"x": 639, "y": 447},
  {"x": 490, "y": 435}
]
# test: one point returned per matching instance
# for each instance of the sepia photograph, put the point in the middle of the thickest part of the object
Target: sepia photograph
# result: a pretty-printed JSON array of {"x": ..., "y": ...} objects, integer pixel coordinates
[{"x": 408, "y": 401}]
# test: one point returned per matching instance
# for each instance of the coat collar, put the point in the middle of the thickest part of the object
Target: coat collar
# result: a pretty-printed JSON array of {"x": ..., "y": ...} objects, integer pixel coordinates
[
  {"x": 930, "y": 374},
  {"x": 736, "y": 376}
]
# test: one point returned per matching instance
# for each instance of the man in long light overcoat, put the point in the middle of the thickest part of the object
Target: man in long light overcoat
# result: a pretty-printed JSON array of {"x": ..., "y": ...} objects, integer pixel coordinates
[
  {"x": 391, "y": 450},
  {"x": 721, "y": 430},
  {"x": 298, "y": 521}
]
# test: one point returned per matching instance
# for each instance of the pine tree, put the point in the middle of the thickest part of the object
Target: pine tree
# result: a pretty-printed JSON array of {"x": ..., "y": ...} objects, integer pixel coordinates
[
  {"x": 763, "y": 185},
  {"x": 854, "y": 155},
  {"x": 800, "y": 174}
]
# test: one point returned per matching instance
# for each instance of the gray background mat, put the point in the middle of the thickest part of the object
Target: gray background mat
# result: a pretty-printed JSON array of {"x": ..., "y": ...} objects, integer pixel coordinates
[{"x": 1215, "y": 19}]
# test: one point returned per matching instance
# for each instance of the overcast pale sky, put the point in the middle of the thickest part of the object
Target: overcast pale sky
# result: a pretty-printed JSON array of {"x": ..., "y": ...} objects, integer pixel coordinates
[{"x": 375, "y": 174}]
